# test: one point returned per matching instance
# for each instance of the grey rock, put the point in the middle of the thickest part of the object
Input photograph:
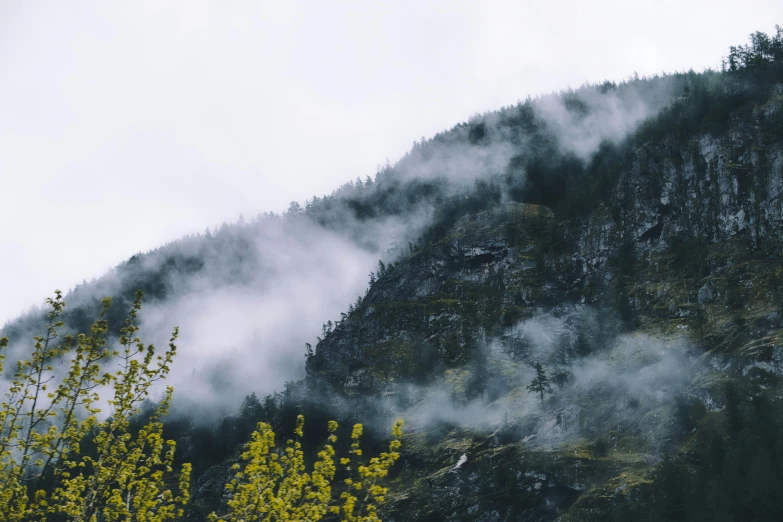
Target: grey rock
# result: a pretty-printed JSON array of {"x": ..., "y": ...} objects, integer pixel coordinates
[{"x": 705, "y": 294}]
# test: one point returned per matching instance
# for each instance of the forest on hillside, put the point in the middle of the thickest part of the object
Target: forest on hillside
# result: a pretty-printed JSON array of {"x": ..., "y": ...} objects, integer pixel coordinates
[{"x": 573, "y": 303}]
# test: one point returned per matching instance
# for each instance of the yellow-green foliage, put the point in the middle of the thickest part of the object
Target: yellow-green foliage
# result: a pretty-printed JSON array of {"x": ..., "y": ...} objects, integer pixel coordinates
[
  {"x": 45, "y": 425},
  {"x": 60, "y": 461},
  {"x": 275, "y": 485}
]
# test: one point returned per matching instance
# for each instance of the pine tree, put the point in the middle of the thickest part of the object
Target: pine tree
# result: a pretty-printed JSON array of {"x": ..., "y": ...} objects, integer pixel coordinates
[
  {"x": 540, "y": 383},
  {"x": 701, "y": 318},
  {"x": 582, "y": 346}
]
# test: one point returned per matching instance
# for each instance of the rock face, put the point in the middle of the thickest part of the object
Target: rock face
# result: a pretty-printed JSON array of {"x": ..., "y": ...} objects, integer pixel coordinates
[
  {"x": 705, "y": 294},
  {"x": 640, "y": 280},
  {"x": 687, "y": 250},
  {"x": 427, "y": 313},
  {"x": 708, "y": 187}
]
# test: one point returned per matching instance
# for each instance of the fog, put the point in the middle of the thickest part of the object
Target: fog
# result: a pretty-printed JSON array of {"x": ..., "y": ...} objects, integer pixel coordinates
[
  {"x": 628, "y": 389},
  {"x": 242, "y": 338},
  {"x": 125, "y": 126},
  {"x": 247, "y": 297},
  {"x": 584, "y": 119}
]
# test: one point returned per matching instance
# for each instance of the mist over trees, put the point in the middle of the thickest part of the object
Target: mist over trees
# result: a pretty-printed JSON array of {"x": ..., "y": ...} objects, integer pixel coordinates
[
  {"x": 63, "y": 458},
  {"x": 265, "y": 299}
]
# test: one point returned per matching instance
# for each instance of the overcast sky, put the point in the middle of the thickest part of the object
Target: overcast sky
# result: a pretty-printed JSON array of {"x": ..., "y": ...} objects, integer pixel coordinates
[{"x": 124, "y": 125}]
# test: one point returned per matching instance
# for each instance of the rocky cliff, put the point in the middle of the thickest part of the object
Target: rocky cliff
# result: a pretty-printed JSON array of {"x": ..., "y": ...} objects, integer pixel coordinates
[
  {"x": 670, "y": 285},
  {"x": 584, "y": 325}
]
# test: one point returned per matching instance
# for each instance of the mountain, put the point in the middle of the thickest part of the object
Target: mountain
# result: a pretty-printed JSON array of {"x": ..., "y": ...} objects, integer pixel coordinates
[{"x": 621, "y": 244}]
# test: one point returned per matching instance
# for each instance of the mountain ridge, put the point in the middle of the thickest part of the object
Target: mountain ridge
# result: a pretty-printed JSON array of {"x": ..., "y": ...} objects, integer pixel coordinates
[{"x": 627, "y": 238}]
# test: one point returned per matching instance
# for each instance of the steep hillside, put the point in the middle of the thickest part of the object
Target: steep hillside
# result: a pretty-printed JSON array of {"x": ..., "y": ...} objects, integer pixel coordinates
[
  {"x": 273, "y": 280},
  {"x": 662, "y": 302},
  {"x": 618, "y": 245}
]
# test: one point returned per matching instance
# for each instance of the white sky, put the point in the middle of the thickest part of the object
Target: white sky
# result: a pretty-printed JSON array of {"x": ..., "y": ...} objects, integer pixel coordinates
[{"x": 124, "y": 125}]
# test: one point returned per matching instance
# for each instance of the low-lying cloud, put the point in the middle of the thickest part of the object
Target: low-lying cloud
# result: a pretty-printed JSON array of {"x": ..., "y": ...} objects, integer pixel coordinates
[
  {"x": 245, "y": 313},
  {"x": 628, "y": 389}
]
